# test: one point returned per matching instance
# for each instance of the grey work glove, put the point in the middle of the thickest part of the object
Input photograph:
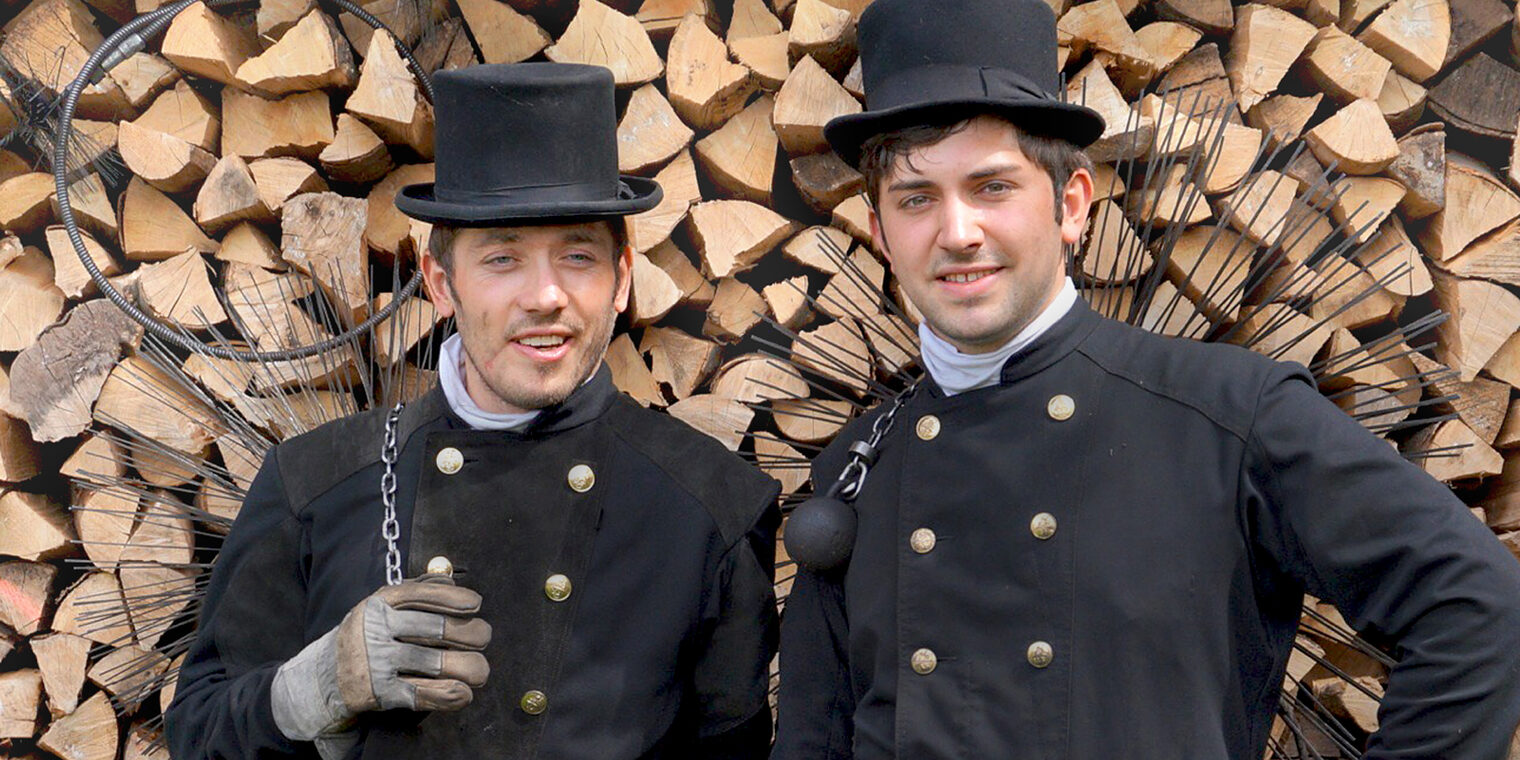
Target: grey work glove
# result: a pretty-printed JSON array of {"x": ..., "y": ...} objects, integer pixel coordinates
[{"x": 412, "y": 646}]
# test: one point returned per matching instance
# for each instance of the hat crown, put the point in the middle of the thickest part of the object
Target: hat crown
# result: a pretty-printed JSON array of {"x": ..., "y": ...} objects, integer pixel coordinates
[
  {"x": 525, "y": 132},
  {"x": 1015, "y": 37}
]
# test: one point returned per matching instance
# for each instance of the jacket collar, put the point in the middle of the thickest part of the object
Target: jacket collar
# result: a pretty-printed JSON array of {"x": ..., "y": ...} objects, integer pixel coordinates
[
  {"x": 1061, "y": 339},
  {"x": 585, "y": 404}
]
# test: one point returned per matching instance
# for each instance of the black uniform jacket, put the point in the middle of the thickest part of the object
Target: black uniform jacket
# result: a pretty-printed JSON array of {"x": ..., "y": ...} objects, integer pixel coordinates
[
  {"x": 660, "y": 650},
  {"x": 1104, "y": 556}
]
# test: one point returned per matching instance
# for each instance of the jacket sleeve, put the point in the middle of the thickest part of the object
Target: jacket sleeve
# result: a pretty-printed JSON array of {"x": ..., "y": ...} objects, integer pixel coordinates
[
  {"x": 816, "y": 707},
  {"x": 731, "y": 676},
  {"x": 1402, "y": 558},
  {"x": 250, "y": 623}
]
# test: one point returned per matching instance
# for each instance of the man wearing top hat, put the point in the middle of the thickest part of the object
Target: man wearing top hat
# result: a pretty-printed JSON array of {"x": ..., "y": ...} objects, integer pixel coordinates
[
  {"x": 585, "y": 578},
  {"x": 1078, "y": 539}
]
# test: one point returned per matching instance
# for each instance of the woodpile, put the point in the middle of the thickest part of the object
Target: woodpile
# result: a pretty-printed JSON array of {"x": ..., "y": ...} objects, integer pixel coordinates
[{"x": 1312, "y": 179}]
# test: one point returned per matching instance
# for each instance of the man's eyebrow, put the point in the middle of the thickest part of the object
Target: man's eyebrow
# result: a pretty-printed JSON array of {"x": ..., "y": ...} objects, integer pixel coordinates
[
  {"x": 909, "y": 184},
  {"x": 993, "y": 171},
  {"x": 578, "y": 236},
  {"x": 503, "y": 235}
]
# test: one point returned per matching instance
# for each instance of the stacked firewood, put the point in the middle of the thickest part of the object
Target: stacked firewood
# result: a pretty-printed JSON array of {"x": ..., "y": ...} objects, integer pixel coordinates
[{"x": 1315, "y": 179}]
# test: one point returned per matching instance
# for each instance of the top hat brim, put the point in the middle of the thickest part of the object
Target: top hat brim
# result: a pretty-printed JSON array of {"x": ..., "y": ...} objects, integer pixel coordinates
[
  {"x": 420, "y": 202},
  {"x": 1077, "y": 124}
]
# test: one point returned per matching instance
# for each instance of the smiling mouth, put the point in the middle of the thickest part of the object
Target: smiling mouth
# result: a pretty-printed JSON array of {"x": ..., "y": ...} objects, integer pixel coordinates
[
  {"x": 965, "y": 277},
  {"x": 543, "y": 341}
]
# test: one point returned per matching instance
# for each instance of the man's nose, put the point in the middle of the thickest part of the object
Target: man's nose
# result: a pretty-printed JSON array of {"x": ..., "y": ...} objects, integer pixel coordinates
[
  {"x": 960, "y": 226},
  {"x": 545, "y": 293}
]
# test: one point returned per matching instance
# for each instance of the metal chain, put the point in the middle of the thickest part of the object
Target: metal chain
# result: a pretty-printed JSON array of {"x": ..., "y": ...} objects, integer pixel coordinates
[
  {"x": 863, "y": 453},
  {"x": 391, "y": 527}
]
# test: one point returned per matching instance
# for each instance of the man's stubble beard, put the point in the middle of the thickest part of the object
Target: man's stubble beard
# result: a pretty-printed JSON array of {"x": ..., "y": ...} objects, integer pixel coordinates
[{"x": 598, "y": 336}]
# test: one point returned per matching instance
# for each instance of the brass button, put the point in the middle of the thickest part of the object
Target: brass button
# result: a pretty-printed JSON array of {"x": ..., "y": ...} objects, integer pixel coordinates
[
  {"x": 924, "y": 661},
  {"x": 581, "y": 478},
  {"x": 557, "y": 588},
  {"x": 927, "y": 427},
  {"x": 922, "y": 540},
  {"x": 1061, "y": 407},
  {"x": 1041, "y": 654},
  {"x": 449, "y": 460},
  {"x": 534, "y": 702},
  {"x": 1043, "y": 526},
  {"x": 440, "y": 566}
]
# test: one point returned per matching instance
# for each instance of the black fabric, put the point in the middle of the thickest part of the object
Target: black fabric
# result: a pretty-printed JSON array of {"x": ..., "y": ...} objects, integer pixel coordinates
[
  {"x": 934, "y": 60},
  {"x": 670, "y": 613},
  {"x": 1199, "y": 492},
  {"x": 524, "y": 142}
]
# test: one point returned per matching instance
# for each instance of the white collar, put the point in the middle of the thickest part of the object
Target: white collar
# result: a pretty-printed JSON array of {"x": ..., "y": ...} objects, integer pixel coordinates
[
  {"x": 451, "y": 379},
  {"x": 957, "y": 372}
]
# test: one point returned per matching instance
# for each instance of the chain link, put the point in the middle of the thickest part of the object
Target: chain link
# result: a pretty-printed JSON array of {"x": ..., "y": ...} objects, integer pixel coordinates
[
  {"x": 863, "y": 454},
  {"x": 391, "y": 527}
]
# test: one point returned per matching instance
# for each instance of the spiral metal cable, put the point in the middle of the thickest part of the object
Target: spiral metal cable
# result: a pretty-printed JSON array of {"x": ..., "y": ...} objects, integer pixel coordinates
[{"x": 130, "y": 39}]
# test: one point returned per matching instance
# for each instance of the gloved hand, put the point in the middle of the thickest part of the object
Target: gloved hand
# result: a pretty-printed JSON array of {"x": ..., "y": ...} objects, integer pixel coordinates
[{"x": 411, "y": 646}]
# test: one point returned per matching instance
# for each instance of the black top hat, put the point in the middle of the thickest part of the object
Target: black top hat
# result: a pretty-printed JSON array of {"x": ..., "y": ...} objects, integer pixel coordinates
[
  {"x": 525, "y": 142},
  {"x": 944, "y": 60}
]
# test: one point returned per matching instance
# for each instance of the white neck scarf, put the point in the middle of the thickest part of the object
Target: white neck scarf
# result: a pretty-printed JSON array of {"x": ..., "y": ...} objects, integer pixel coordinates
[
  {"x": 451, "y": 379},
  {"x": 957, "y": 372}
]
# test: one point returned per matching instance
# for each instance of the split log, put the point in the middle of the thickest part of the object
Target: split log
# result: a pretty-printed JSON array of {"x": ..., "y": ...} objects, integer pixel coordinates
[
  {"x": 1495, "y": 257},
  {"x": 141, "y": 397},
  {"x": 1465, "y": 456},
  {"x": 1167, "y": 42},
  {"x": 1115, "y": 253},
  {"x": 280, "y": 179},
  {"x": 806, "y": 102},
  {"x": 1390, "y": 251},
  {"x": 390, "y": 101},
  {"x": 92, "y": 208},
  {"x": 24, "y": 202},
  {"x": 184, "y": 113},
  {"x": 295, "y": 125},
  {"x": 735, "y": 309},
  {"x": 812, "y": 421},
  {"x": 206, "y": 44},
  {"x": 679, "y": 181},
  {"x": 51, "y": 39},
  {"x": 312, "y": 55},
  {"x": 1480, "y": 96},
  {"x": 654, "y": 292},
  {"x": 399, "y": 334},
  {"x": 1363, "y": 203},
  {"x": 61, "y": 659},
  {"x": 1207, "y": 265},
  {"x": 58, "y": 379},
  {"x": 1481, "y": 404},
  {"x": 1351, "y": 297},
  {"x": 695, "y": 290},
  {"x": 32, "y": 301},
  {"x": 752, "y": 378},
  {"x": 1264, "y": 43},
  {"x": 89, "y": 733},
  {"x": 734, "y": 235},
  {"x": 25, "y": 594},
  {"x": 1100, "y": 26},
  {"x": 1413, "y": 35},
  {"x": 1401, "y": 101},
  {"x": 1126, "y": 134},
  {"x": 601, "y": 36},
  {"x": 356, "y": 153},
  {"x": 1476, "y": 202},
  {"x": 1505, "y": 366},
  {"x": 1347, "y": 701},
  {"x": 661, "y": 17},
  {"x": 782, "y": 462},
  {"x": 94, "y": 609},
  {"x": 650, "y": 132},
  {"x": 229, "y": 196},
  {"x": 20, "y": 696},
  {"x": 811, "y": 248},
  {"x": 724, "y": 419},
  {"x": 179, "y": 290},
  {"x": 1260, "y": 209},
  {"x": 853, "y": 216},
  {"x": 1482, "y": 317},
  {"x": 1282, "y": 333},
  {"x": 631, "y": 375},
  {"x": 20, "y": 458},
  {"x": 386, "y": 230},
  {"x": 104, "y": 520},
  {"x": 836, "y": 352},
  {"x": 678, "y": 361},
  {"x": 740, "y": 157},
  {"x": 705, "y": 88},
  {"x": 503, "y": 34},
  {"x": 275, "y": 17},
  {"x": 823, "y": 32},
  {"x": 247, "y": 244},
  {"x": 1421, "y": 168},
  {"x": 162, "y": 160},
  {"x": 765, "y": 57},
  {"x": 1174, "y": 201},
  {"x": 154, "y": 227},
  {"x": 1283, "y": 117},
  {"x": 36, "y": 527},
  {"x": 1344, "y": 68},
  {"x": 825, "y": 180},
  {"x": 1356, "y": 139},
  {"x": 752, "y": 19},
  {"x": 155, "y": 595},
  {"x": 322, "y": 236},
  {"x": 1213, "y": 17}
]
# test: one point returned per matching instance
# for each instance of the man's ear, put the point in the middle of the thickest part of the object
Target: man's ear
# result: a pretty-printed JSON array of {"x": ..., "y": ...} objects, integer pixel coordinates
[
  {"x": 1076, "y": 201},
  {"x": 625, "y": 278},
  {"x": 878, "y": 238},
  {"x": 436, "y": 281}
]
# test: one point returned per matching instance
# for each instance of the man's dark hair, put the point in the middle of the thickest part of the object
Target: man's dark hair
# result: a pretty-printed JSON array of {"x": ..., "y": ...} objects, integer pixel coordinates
[
  {"x": 441, "y": 242},
  {"x": 1058, "y": 158}
]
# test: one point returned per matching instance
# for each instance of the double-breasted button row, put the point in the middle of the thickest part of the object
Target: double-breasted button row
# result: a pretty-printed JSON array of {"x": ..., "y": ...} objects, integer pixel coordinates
[{"x": 1060, "y": 407}]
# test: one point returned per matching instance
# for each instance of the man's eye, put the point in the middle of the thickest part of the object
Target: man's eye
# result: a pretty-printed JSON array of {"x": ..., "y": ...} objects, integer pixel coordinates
[
  {"x": 997, "y": 187},
  {"x": 913, "y": 201}
]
